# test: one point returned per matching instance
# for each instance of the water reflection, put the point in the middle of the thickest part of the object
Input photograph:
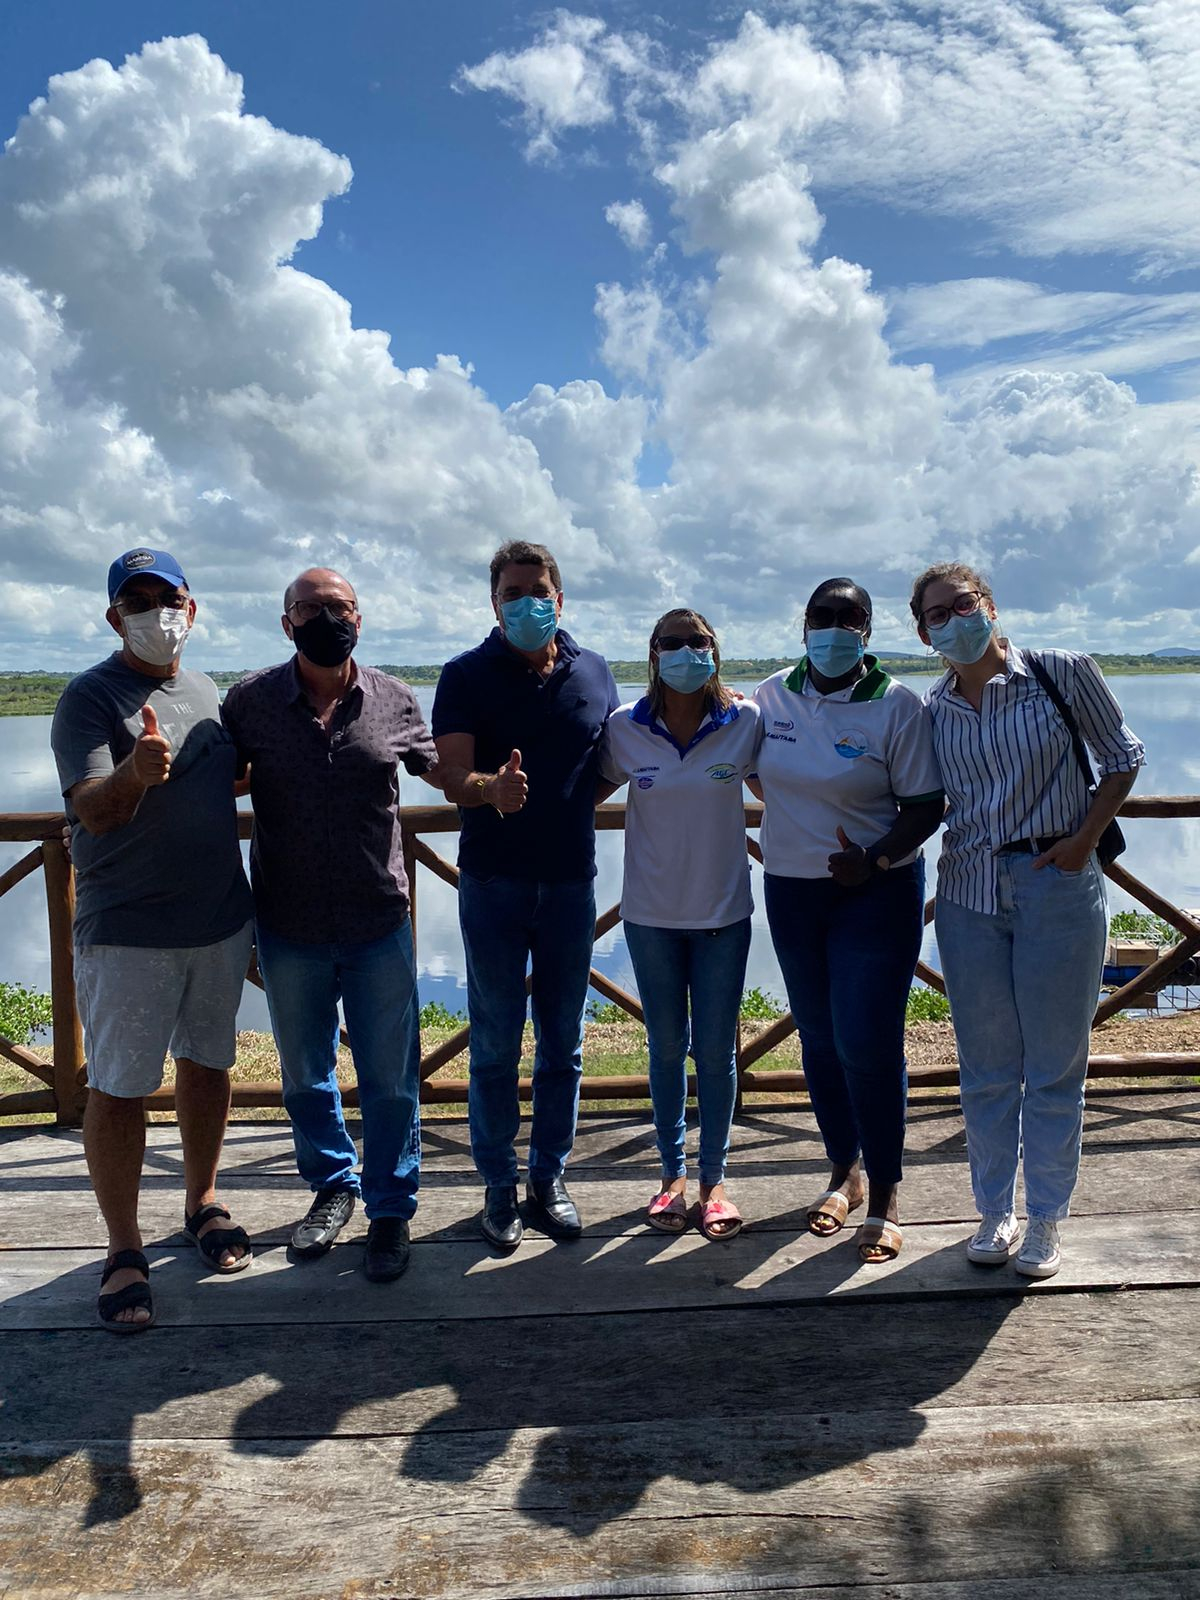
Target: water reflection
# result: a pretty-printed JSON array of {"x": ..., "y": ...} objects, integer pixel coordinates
[{"x": 1163, "y": 710}]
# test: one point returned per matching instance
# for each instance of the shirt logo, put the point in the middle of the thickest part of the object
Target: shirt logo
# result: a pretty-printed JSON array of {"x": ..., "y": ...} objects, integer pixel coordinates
[
  {"x": 722, "y": 772},
  {"x": 786, "y": 726},
  {"x": 851, "y": 743},
  {"x": 645, "y": 783}
]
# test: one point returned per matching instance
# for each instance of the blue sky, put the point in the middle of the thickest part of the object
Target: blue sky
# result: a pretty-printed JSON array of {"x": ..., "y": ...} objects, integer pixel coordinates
[{"x": 738, "y": 298}]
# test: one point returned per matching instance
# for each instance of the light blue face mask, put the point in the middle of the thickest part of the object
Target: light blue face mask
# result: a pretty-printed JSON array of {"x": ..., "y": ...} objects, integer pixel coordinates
[
  {"x": 963, "y": 640},
  {"x": 530, "y": 622},
  {"x": 685, "y": 670},
  {"x": 834, "y": 651}
]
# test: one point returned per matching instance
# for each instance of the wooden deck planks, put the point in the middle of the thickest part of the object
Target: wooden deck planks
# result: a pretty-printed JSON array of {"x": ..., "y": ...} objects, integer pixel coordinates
[
  {"x": 836, "y": 1498},
  {"x": 627, "y": 1416}
]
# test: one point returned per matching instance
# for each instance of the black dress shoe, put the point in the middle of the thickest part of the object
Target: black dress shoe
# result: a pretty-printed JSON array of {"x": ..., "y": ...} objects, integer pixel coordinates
[
  {"x": 501, "y": 1221},
  {"x": 387, "y": 1249},
  {"x": 329, "y": 1213},
  {"x": 551, "y": 1208}
]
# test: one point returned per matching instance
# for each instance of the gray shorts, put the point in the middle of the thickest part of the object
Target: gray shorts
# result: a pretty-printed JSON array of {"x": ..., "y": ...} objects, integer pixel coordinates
[{"x": 137, "y": 1004}]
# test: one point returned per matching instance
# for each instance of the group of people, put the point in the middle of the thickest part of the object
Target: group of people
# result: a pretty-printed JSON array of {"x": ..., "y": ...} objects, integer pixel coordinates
[{"x": 855, "y": 772}]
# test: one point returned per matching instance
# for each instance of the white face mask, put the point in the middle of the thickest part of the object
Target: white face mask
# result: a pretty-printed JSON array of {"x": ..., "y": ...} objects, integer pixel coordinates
[{"x": 157, "y": 636}]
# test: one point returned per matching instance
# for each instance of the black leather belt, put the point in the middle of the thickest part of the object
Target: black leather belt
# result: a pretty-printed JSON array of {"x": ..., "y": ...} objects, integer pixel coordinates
[{"x": 1030, "y": 847}]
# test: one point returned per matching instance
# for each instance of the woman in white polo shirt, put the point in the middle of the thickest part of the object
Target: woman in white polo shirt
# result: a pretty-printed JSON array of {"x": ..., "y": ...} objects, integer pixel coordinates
[
  {"x": 685, "y": 749},
  {"x": 852, "y": 791}
]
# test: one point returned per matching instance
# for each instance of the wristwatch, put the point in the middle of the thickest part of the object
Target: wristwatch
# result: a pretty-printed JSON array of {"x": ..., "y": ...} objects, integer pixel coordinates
[{"x": 881, "y": 863}]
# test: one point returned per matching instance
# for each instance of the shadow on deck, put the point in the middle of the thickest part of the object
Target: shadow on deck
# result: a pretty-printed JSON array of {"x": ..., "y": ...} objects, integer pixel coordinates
[{"x": 628, "y": 1415}]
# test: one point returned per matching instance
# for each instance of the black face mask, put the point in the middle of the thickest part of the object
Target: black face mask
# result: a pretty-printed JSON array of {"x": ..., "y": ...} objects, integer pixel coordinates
[{"x": 326, "y": 641}]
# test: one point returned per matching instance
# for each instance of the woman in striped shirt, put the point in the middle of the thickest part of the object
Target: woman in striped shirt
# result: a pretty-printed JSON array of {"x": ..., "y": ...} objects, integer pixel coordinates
[{"x": 1021, "y": 914}]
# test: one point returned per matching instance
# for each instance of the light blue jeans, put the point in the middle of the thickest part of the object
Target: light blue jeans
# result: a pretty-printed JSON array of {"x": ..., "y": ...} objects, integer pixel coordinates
[
  {"x": 509, "y": 924},
  {"x": 376, "y": 984},
  {"x": 1023, "y": 986},
  {"x": 709, "y": 966}
]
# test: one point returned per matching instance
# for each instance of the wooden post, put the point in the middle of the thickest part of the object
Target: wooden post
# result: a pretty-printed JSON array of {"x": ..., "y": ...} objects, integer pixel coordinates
[
  {"x": 410, "y": 872},
  {"x": 68, "y": 1035}
]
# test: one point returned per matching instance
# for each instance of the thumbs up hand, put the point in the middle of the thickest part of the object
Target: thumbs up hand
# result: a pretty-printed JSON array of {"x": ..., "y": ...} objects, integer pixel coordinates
[
  {"x": 850, "y": 865},
  {"x": 152, "y": 752},
  {"x": 508, "y": 790}
]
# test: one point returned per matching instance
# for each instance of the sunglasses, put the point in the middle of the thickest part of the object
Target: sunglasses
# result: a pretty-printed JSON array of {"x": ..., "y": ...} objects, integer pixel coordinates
[
  {"x": 851, "y": 616},
  {"x": 681, "y": 641}
]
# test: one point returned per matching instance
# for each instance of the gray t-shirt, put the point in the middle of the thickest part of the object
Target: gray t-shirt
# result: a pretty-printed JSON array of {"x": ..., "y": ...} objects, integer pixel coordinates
[{"x": 172, "y": 876}]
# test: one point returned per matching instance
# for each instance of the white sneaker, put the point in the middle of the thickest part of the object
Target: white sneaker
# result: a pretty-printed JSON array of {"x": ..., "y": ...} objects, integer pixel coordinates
[
  {"x": 1039, "y": 1256},
  {"x": 994, "y": 1239}
]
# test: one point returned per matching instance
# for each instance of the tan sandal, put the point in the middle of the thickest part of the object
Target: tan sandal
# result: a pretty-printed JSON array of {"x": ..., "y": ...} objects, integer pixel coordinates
[
  {"x": 668, "y": 1213},
  {"x": 834, "y": 1206},
  {"x": 888, "y": 1241}
]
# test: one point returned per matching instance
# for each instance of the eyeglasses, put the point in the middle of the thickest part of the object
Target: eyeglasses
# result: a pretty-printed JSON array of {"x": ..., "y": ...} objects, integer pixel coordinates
[
  {"x": 302, "y": 611},
  {"x": 855, "y": 617},
  {"x": 681, "y": 641},
  {"x": 139, "y": 605},
  {"x": 962, "y": 606}
]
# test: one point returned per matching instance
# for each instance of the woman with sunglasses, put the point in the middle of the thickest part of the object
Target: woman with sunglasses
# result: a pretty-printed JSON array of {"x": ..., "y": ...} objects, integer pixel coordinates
[
  {"x": 685, "y": 749},
  {"x": 852, "y": 791},
  {"x": 1021, "y": 915}
]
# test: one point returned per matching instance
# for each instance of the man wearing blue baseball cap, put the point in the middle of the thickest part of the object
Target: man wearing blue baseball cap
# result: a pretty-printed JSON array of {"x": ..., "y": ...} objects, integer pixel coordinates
[{"x": 162, "y": 915}]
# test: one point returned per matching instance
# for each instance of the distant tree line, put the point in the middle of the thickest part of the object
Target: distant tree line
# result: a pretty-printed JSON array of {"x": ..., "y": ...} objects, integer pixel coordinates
[{"x": 35, "y": 694}]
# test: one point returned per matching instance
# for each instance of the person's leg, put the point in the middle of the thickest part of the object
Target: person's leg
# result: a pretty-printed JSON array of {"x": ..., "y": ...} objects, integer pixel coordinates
[
  {"x": 798, "y": 911},
  {"x": 717, "y": 972},
  {"x": 660, "y": 965},
  {"x": 1059, "y": 937},
  {"x": 496, "y": 918},
  {"x": 873, "y": 945},
  {"x": 204, "y": 1044},
  {"x": 127, "y": 999},
  {"x": 379, "y": 995},
  {"x": 561, "y": 951},
  {"x": 302, "y": 995},
  {"x": 976, "y": 952}
]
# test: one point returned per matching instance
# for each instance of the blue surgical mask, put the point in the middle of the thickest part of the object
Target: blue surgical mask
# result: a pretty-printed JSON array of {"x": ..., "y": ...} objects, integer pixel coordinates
[
  {"x": 834, "y": 651},
  {"x": 531, "y": 622},
  {"x": 963, "y": 640},
  {"x": 685, "y": 670}
]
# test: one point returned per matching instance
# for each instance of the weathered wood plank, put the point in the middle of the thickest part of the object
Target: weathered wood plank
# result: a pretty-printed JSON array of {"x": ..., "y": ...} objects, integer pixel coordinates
[
  {"x": 646, "y": 1272},
  {"x": 182, "y": 1383},
  {"x": 1047, "y": 1586},
  {"x": 61, "y": 1212},
  {"x": 837, "y": 1499}
]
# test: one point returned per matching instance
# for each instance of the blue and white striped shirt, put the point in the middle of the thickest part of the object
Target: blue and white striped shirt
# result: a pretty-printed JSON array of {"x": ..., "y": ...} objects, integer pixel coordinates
[{"x": 1009, "y": 768}]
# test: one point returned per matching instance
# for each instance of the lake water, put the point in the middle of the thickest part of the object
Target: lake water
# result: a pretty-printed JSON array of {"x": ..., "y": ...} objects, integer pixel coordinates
[{"x": 1163, "y": 710}]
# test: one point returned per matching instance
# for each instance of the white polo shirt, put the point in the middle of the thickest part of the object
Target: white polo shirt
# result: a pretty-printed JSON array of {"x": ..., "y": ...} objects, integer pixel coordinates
[
  {"x": 852, "y": 757},
  {"x": 685, "y": 832}
]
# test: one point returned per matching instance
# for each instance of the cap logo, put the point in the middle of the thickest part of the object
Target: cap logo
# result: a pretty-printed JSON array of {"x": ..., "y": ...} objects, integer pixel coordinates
[{"x": 137, "y": 559}]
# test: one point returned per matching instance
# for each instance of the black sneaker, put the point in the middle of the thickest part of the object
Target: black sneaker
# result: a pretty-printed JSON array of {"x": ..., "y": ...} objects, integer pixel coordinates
[
  {"x": 387, "y": 1249},
  {"x": 329, "y": 1213}
]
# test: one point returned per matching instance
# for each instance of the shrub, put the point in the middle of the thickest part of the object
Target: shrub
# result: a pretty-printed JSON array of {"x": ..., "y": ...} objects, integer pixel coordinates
[
  {"x": 608, "y": 1011},
  {"x": 758, "y": 1006},
  {"x": 24, "y": 1013},
  {"x": 1141, "y": 925},
  {"x": 926, "y": 1005},
  {"x": 436, "y": 1015}
]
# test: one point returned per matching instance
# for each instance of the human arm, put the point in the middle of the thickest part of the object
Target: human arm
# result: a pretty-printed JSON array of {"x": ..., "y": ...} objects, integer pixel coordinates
[
  {"x": 916, "y": 786},
  {"x": 1071, "y": 854},
  {"x": 506, "y": 790},
  {"x": 854, "y": 863},
  {"x": 106, "y": 803}
]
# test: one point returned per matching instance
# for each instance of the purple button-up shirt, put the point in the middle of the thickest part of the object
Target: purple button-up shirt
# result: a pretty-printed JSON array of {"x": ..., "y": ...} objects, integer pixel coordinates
[{"x": 326, "y": 860}]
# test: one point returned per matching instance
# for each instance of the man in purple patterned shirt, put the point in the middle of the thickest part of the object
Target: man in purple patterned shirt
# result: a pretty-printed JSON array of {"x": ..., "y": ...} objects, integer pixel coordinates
[{"x": 323, "y": 737}]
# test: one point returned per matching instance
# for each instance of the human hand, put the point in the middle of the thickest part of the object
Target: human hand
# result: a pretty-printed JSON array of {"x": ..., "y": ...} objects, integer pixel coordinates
[
  {"x": 850, "y": 865},
  {"x": 1068, "y": 855},
  {"x": 152, "y": 752},
  {"x": 508, "y": 790}
]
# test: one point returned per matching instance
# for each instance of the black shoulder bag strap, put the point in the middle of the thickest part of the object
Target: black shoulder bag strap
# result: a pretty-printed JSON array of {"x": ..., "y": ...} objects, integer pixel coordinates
[{"x": 1112, "y": 840}]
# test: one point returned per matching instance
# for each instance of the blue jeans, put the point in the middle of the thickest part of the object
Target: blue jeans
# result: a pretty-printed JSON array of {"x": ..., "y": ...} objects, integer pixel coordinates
[
  {"x": 377, "y": 986},
  {"x": 709, "y": 966},
  {"x": 847, "y": 958},
  {"x": 506, "y": 923},
  {"x": 1023, "y": 986}
]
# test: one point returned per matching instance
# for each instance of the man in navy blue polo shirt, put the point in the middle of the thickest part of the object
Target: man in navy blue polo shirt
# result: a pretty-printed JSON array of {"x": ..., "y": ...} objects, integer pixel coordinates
[{"x": 517, "y": 720}]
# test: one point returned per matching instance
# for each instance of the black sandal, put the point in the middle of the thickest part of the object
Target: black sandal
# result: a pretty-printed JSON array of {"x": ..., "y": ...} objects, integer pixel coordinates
[
  {"x": 216, "y": 1241},
  {"x": 133, "y": 1295}
]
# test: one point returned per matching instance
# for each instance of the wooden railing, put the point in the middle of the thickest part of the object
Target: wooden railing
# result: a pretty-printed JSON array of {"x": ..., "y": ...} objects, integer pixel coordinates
[{"x": 63, "y": 1081}]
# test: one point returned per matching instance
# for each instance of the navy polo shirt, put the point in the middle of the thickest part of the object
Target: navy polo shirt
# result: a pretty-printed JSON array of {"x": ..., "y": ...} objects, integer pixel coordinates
[{"x": 493, "y": 694}]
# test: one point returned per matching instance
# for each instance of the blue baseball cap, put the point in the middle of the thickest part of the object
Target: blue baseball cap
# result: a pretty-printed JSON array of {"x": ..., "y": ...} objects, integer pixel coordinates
[{"x": 140, "y": 563}]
